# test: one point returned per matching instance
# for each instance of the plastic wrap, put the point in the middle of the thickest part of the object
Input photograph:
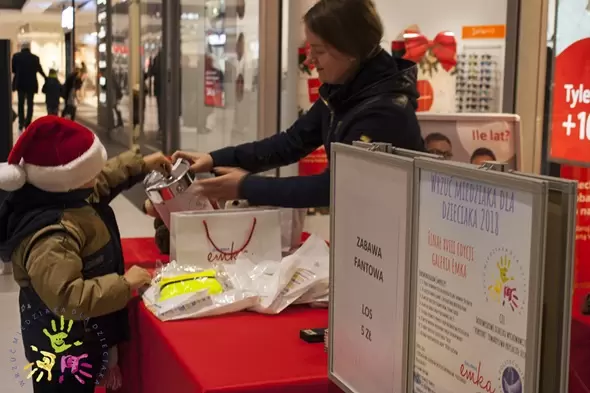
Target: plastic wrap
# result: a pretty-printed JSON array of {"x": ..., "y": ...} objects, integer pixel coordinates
[
  {"x": 267, "y": 287},
  {"x": 217, "y": 298},
  {"x": 280, "y": 284}
]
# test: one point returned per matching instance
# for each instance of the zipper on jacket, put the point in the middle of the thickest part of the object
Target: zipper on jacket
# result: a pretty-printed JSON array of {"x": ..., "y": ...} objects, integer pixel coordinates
[{"x": 331, "y": 113}]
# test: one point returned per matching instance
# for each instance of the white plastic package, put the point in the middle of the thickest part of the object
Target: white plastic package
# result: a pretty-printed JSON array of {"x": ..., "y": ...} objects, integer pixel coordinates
[
  {"x": 302, "y": 275},
  {"x": 188, "y": 303},
  {"x": 267, "y": 287}
]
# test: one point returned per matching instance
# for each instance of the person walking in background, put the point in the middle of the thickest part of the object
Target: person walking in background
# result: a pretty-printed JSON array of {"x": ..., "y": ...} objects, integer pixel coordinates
[
  {"x": 52, "y": 90},
  {"x": 118, "y": 94},
  {"x": 156, "y": 72},
  {"x": 73, "y": 84},
  {"x": 25, "y": 67}
]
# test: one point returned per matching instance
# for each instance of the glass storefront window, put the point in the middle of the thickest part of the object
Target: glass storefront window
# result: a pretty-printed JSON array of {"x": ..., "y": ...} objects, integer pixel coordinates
[
  {"x": 219, "y": 73},
  {"x": 118, "y": 79},
  {"x": 151, "y": 64},
  {"x": 459, "y": 48}
]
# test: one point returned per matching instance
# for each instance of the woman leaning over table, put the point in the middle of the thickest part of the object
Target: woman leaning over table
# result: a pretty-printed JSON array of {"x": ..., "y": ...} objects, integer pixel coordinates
[{"x": 366, "y": 95}]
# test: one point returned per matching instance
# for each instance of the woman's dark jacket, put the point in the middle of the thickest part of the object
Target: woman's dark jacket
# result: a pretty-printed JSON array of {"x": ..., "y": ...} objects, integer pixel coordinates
[{"x": 378, "y": 104}]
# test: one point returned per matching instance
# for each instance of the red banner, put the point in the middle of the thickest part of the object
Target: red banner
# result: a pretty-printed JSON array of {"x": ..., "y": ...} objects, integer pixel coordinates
[
  {"x": 313, "y": 89},
  {"x": 213, "y": 86},
  {"x": 426, "y": 98},
  {"x": 316, "y": 162},
  {"x": 570, "y": 131}
]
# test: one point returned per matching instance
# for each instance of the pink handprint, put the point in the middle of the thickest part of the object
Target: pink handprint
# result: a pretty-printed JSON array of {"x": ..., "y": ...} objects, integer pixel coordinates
[{"x": 75, "y": 364}]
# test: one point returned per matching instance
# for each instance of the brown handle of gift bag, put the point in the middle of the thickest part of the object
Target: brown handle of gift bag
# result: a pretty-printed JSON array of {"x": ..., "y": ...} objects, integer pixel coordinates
[{"x": 248, "y": 239}]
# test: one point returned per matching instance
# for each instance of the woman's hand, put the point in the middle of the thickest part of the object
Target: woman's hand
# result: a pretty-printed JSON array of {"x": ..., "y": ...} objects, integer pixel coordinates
[
  {"x": 226, "y": 186},
  {"x": 157, "y": 162},
  {"x": 200, "y": 162}
]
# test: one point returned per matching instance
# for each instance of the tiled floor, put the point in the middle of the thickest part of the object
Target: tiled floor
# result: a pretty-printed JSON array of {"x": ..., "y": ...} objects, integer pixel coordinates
[{"x": 132, "y": 223}]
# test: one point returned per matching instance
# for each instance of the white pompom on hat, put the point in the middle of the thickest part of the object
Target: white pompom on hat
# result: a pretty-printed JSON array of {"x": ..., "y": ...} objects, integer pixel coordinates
[{"x": 54, "y": 155}]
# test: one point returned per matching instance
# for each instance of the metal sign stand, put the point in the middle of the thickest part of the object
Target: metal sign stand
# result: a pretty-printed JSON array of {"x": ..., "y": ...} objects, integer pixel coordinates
[{"x": 525, "y": 228}]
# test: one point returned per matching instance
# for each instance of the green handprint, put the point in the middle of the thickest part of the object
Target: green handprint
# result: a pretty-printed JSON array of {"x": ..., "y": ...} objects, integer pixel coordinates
[{"x": 58, "y": 338}]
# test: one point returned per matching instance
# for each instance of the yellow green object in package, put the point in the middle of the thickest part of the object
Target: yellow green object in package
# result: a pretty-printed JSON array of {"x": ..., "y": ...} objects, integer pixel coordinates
[{"x": 190, "y": 283}]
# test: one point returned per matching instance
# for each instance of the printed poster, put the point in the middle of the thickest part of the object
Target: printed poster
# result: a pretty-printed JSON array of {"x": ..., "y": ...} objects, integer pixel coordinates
[
  {"x": 469, "y": 139},
  {"x": 472, "y": 289}
]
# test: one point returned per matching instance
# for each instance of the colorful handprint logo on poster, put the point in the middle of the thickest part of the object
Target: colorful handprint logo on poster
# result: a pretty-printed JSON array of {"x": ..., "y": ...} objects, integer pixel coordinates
[
  {"x": 76, "y": 366},
  {"x": 504, "y": 290},
  {"x": 503, "y": 279}
]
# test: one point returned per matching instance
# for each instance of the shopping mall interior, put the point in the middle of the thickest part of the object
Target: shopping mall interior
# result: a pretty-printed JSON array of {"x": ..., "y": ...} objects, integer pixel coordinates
[{"x": 493, "y": 77}]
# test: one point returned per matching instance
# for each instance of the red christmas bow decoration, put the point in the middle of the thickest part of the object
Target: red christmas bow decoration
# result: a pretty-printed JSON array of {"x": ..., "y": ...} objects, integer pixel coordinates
[
  {"x": 306, "y": 61},
  {"x": 443, "y": 47}
]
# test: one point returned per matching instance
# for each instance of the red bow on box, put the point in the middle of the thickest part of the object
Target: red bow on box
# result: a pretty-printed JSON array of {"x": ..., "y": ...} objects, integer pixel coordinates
[
  {"x": 443, "y": 47},
  {"x": 305, "y": 63}
]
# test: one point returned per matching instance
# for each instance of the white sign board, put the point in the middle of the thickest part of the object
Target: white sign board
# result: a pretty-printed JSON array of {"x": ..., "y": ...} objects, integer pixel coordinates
[
  {"x": 371, "y": 213},
  {"x": 473, "y": 284}
]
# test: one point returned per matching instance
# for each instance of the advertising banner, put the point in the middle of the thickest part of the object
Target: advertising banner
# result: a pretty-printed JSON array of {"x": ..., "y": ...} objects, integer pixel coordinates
[
  {"x": 472, "y": 138},
  {"x": 214, "y": 95},
  {"x": 314, "y": 163},
  {"x": 462, "y": 137},
  {"x": 570, "y": 128},
  {"x": 570, "y": 143}
]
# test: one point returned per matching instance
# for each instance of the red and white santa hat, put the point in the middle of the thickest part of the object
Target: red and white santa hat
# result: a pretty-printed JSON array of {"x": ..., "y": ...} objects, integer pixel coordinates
[{"x": 54, "y": 155}]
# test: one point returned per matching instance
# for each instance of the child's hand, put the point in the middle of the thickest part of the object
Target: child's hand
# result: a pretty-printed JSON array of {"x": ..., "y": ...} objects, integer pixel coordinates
[
  {"x": 157, "y": 162},
  {"x": 113, "y": 379},
  {"x": 137, "y": 277},
  {"x": 149, "y": 209}
]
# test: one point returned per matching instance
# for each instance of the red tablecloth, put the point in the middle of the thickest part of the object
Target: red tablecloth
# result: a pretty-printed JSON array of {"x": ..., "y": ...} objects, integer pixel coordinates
[
  {"x": 242, "y": 352},
  {"x": 142, "y": 251}
]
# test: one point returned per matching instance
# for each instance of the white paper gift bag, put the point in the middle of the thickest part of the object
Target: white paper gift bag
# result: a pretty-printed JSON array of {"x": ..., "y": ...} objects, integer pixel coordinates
[
  {"x": 292, "y": 223},
  {"x": 203, "y": 238}
]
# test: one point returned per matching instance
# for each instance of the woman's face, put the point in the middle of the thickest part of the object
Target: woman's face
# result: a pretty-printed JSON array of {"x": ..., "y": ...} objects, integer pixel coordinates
[{"x": 333, "y": 67}]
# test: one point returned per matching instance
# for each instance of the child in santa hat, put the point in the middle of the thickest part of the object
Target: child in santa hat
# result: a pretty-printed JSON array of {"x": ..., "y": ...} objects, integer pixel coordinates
[{"x": 57, "y": 228}]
